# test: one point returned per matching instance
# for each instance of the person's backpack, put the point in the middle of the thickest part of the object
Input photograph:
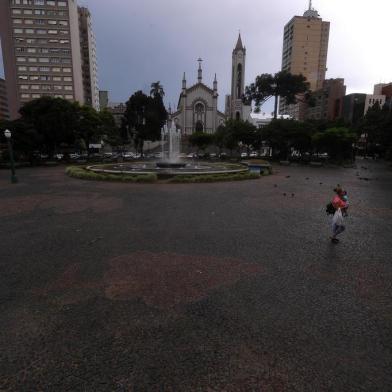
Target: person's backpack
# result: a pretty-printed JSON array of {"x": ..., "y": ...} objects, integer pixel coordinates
[{"x": 330, "y": 209}]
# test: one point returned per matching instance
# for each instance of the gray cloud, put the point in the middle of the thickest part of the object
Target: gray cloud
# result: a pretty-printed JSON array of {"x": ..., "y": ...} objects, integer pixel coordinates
[{"x": 142, "y": 41}]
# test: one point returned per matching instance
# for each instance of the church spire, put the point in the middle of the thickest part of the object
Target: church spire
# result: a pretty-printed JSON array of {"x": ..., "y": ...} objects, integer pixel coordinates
[
  {"x": 239, "y": 45},
  {"x": 200, "y": 71},
  {"x": 184, "y": 82},
  {"x": 215, "y": 84}
]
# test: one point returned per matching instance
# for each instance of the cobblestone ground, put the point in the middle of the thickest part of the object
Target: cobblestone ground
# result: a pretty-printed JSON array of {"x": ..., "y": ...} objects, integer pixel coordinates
[{"x": 209, "y": 287}]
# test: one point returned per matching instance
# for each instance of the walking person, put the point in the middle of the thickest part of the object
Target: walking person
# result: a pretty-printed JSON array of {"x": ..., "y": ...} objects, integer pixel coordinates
[{"x": 340, "y": 206}]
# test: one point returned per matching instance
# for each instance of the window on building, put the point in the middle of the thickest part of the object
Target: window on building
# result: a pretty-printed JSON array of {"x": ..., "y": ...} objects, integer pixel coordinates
[
  {"x": 16, "y": 11},
  {"x": 35, "y": 77},
  {"x": 33, "y": 69},
  {"x": 41, "y": 31},
  {"x": 67, "y": 79},
  {"x": 57, "y": 78},
  {"x": 21, "y": 59},
  {"x": 52, "y": 22},
  {"x": 24, "y": 86},
  {"x": 57, "y": 87},
  {"x": 35, "y": 87},
  {"x": 50, "y": 2},
  {"x": 69, "y": 96},
  {"x": 23, "y": 77},
  {"x": 62, "y": 3},
  {"x": 66, "y": 70},
  {"x": 40, "y": 21},
  {"x": 39, "y": 12},
  {"x": 25, "y": 96},
  {"x": 68, "y": 88},
  {"x": 44, "y": 69},
  {"x": 28, "y": 21},
  {"x": 22, "y": 68},
  {"x": 29, "y": 31},
  {"x": 43, "y": 60},
  {"x": 52, "y": 31},
  {"x": 39, "y": 2},
  {"x": 35, "y": 96},
  {"x": 17, "y": 21},
  {"x": 56, "y": 69},
  {"x": 31, "y": 50},
  {"x": 44, "y": 78},
  {"x": 63, "y": 23}
]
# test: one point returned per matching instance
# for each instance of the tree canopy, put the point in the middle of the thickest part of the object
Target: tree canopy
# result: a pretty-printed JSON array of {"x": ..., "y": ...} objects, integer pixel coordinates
[
  {"x": 283, "y": 84},
  {"x": 145, "y": 117}
]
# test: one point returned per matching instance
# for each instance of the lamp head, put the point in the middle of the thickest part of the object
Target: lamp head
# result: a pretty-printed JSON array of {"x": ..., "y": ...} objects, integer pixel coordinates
[{"x": 7, "y": 134}]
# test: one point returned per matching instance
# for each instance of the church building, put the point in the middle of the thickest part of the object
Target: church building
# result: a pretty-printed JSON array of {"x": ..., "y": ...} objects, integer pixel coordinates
[{"x": 197, "y": 108}]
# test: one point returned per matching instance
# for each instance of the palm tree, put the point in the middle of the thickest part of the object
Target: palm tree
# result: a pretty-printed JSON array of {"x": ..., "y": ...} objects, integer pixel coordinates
[{"x": 157, "y": 90}]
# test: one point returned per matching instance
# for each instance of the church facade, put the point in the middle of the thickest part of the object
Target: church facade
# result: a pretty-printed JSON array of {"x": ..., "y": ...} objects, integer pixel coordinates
[{"x": 197, "y": 108}]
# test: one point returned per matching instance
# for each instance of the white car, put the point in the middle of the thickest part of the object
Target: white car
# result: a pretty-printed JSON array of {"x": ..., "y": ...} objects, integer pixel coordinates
[
  {"x": 244, "y": 155},
  {"x": 253, "y": 154}
]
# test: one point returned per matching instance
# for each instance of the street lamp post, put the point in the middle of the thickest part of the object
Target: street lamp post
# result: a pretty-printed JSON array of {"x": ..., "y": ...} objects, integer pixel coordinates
[{"x": 8, "y": 135}]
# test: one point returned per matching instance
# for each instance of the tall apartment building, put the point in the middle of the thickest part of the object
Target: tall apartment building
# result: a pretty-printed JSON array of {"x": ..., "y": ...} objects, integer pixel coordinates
[
  {"x": 41, "y": 50},
  {"x": 305, "y": 49},
  {"x": 4, "y": 112},
  {"x": 89, "y": 59}
]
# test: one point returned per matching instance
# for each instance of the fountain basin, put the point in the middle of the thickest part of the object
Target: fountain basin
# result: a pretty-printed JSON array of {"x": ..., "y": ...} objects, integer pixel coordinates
[
  {"x": 168, "y": 170},
  {"x": 170, "y": 165}
]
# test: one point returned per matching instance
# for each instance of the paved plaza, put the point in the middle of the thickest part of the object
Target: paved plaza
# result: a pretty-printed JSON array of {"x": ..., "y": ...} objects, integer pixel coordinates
[{"x": 196, "y": 287}]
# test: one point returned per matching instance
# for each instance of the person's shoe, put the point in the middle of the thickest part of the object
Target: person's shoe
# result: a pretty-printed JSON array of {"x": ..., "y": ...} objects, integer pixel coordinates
[{"x": 334, "y": 240}]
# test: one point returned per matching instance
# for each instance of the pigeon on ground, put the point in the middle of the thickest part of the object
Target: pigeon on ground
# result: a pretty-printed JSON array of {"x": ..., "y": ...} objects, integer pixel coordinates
[
  {"x": 292, "y": 195},
  {"x": 284, "y": 194}
]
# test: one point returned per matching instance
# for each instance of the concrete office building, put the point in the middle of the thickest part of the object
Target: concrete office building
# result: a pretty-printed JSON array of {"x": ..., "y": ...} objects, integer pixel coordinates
[
  {"x": 89, "y": 59},
  {"x": 305, "y": 49},
  {"x": 353, "y": 107},
  {"x": 103, "y": 99},
  {"x": 328, "y": 101},
  {"x": 4, "y": 112},
  {"x": 41, "y": 50}
]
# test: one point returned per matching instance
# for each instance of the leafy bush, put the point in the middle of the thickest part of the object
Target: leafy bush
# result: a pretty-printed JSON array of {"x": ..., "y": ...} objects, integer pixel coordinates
[
  {"x": 81, "y": 173},
  {"x": 214, "y": 177}
]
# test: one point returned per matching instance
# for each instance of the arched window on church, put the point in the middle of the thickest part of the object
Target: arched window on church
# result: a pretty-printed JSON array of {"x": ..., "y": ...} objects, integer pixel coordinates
[
  {"x": 239, "y": 81},
  {"x": 199, "y": 117}
]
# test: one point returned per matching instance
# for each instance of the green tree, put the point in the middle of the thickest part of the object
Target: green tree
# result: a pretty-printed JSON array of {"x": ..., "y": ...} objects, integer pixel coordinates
[
  {"x": 286, "y": 135},
  {"x": 283, "y": 84},
  {"x": 89, "y": 126},
  {"x": 144, "y": 117},
  {"x": 238, "y": 133},
  {"x": 110, "y": 132},
  {"x": 54, "y": 120},
  {"x": 201, "y": 140},
  {"x": 337, "y": 142}
]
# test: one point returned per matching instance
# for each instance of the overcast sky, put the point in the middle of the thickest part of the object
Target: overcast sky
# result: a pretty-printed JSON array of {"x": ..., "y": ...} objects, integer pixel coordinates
[{"x": 141, "y": 41}]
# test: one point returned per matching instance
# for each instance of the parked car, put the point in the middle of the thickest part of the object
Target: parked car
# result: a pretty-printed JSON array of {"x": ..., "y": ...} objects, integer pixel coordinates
[
  {"x": 244, "y": 155},
  {"x": 253, "y": 154}
]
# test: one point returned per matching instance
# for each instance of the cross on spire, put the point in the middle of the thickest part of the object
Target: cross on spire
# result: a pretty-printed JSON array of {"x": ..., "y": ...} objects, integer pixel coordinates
[{"x": 200, "y": 71}]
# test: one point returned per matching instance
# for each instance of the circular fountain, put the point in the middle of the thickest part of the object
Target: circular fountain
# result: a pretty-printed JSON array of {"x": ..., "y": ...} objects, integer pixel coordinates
[{"x": 171, "y": 165}]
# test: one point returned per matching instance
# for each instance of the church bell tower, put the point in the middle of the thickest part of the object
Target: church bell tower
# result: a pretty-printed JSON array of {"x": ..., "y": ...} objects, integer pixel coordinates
[{"x": 238, "y": 81}]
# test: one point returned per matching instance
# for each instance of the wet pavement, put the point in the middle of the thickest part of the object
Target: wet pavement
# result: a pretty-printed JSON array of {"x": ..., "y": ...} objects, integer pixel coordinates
[{"x": 196, "y": 287}]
